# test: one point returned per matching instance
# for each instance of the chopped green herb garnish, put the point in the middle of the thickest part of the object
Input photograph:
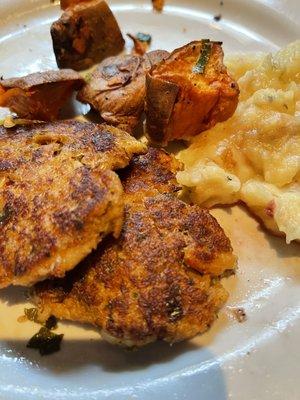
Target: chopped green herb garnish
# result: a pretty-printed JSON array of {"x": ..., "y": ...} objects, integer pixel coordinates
[
  {"x": 31, "y": 314},
  {"x": 144, "y": 37},
  {"x": 177, "y": 312},
  {"x": 51, "y": 323},
  {"x": 4, "y": 215},
  {"x": 45, "y": 341},
  {"x": 88, "y": 76},
  {"x": 205, "y": 53}
]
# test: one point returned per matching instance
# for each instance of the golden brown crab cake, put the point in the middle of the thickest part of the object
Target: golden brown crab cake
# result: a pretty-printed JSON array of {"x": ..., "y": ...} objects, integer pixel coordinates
[
  {"x": 58, "y": 195},
  {"x": 144, "y": 285}
]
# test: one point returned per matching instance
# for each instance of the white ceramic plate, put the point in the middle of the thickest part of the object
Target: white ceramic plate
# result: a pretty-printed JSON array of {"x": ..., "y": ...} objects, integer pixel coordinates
[{"x": 258, "y": 359}]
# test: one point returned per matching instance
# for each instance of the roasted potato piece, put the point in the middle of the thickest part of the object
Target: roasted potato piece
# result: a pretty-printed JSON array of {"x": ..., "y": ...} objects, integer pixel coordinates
[
  {"x": 40, "y": 95},
  {"x": 86, "y": 34},
  {"x": 189, "y": 92},
  {"x": 117, "y": 88},
  {"x": 158, "y": 5},
  {"x": 64, "y": 4}
]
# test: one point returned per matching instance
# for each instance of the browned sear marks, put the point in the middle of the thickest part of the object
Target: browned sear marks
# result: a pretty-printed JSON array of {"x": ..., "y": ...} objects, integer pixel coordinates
[
  {"x": 160, "y": 278},
  {"x": 58, "y": 195}
]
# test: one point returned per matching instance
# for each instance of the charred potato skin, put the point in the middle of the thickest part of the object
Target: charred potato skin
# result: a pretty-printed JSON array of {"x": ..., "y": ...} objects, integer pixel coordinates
[
  {"x": 181, "y": 103},
  {"x": 86, "y": 34},
  {"x": 119, "y": 94},
  {"x": 160, "y": 100}
]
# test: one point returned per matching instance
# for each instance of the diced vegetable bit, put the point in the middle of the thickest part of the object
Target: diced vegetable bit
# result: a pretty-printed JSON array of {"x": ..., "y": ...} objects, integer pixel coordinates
[
  {"x": 205, "y": 53},
  {"x": 141, "y": 42},
  {"x": 51, "y": 323},
  {"x": 144, "y": 37},
  {"x": 31, "y": 314},
  {"x": 45, "y": 341}
]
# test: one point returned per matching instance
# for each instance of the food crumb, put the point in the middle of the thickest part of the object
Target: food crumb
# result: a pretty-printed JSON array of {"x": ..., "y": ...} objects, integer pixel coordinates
[
  {"x": 158, "y": 5},
  {"x": 239, "y": 314}
]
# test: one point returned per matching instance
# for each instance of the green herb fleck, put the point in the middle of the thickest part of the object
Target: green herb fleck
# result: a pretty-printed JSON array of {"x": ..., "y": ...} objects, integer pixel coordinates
[
  {"x": 88, "y": 77},
  {"x": 51, "y": 323},
  {"x": 205, "y": 53},
  {"x": 4, "y": 215},
  {"x": 45, "y": 341},
  {"x": 177, "y": 312},
  {"x": 144, "y": 37},
  {"x": 31, "y": 314}
]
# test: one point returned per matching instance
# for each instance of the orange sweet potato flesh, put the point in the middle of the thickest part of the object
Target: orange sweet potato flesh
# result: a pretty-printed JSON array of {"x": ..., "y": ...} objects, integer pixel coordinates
[
  {"x": 39, "y": 96},
  {"x": 180, "y": 102}
]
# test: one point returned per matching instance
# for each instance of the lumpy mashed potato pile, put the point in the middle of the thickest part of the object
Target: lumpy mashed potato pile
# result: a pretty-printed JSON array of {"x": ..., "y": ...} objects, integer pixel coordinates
[{"x": 255, "y": 155}]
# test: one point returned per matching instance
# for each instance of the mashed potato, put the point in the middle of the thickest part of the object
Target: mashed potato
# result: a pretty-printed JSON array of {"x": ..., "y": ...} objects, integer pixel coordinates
[{"x": 255, "y": 155}]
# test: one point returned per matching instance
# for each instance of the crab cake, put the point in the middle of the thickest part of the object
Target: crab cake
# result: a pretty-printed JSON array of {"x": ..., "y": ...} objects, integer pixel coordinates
[
  {"x": 160, "y": 278},
  {"x": 58, "y": 195}
]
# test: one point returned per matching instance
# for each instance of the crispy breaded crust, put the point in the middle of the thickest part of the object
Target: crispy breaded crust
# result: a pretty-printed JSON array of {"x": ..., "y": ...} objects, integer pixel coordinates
[
  {"x": 143, "y": 286},
  {"x": 58, "y": 195}
]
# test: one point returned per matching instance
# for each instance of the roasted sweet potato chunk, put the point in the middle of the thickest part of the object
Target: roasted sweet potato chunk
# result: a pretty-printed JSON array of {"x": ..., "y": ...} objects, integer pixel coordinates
[
  {"x": 85, "y": 35},
  {"x": 64, "y": 4},
  {"x": 189, "y": 92},
  {"x": 40, "y": 95},
  {"x": 158, "y": 5},
  {"x": 117, "y": 88}
]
